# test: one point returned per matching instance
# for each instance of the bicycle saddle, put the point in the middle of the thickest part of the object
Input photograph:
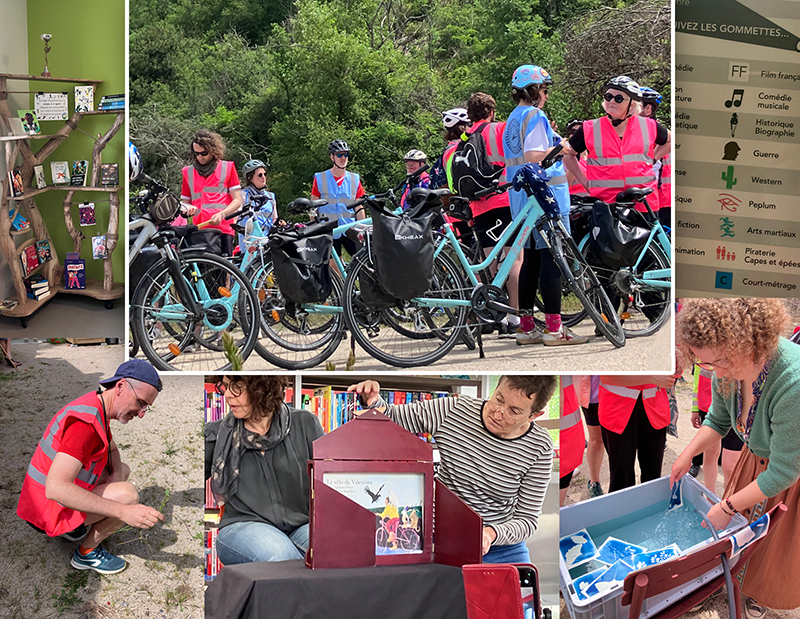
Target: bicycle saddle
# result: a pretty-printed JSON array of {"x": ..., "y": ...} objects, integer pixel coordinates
[
  {"x": 634, "y": 194},
  {"x": 302, "y": 205}
]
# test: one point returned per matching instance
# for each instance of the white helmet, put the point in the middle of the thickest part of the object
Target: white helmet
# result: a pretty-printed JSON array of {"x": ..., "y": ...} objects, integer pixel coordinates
[
  {"x": 456, "y": 116},
  {"x": 415, "y": 155}
]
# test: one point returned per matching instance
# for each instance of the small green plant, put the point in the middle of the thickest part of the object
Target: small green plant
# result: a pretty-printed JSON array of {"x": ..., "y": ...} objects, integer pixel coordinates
[
  {"x": 170, "y": 448},
  {"x": 178, "y": 596},
  {"x": 69, "y": 598},
  {"x": 231, "y": 352}
]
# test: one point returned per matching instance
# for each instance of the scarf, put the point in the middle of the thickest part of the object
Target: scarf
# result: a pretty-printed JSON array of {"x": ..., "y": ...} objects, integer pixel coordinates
[
  {"x": 233, "y": 440},
  {"x": 205, "y": 170}
]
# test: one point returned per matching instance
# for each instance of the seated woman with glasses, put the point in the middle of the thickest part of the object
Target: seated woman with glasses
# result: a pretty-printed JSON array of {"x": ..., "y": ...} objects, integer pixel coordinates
[
  {"x": 256, "y": 459},
  {"x": 621, "y": 146},
  {"x": 755, "y": 391}
]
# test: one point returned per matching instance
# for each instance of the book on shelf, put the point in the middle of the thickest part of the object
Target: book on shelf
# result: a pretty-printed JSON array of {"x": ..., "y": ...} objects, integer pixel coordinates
[
  {"x": 43, "y": 250},
  {"x": 109, "y": 174},
  {"x": 59, "y": 170},
  {"x": 84, "y": 98},
  {"x": 15, "y": 178},
  {"x": 30, "y": 124},
  {"x": 110, "y": 101},
  {"x": 37, "y": 287},
  {"x": 74, "y": 271},
  {"x": 86, "y": 213},
  {"x": 29, "y": 259},
  {"x": 99, "y": 249},
  {"x": 18, "y": 222},
  {"x": 38, "y": 173},
  {"x": 8, "y": 304},
  {"x": 80, "y": 167}
]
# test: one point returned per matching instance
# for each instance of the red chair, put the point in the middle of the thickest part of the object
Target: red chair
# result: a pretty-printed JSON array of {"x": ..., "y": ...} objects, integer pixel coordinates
[{"x": 655, "y": 580}]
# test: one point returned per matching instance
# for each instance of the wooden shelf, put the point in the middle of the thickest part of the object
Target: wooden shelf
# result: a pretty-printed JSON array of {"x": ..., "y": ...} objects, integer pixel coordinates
[
  {"x": 29, "y": 307},
  {"x": 20, "y": 232},
  {"x": 35, "y": 192},
  {"x": 42, "y": 78},
  {"x": 39, "y": 136},
  {"x": 94, "y": 288}
]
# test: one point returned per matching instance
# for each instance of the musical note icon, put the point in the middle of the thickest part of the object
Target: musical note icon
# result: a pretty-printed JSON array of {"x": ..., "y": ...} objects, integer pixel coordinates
[{"x": 736, "y": 98}]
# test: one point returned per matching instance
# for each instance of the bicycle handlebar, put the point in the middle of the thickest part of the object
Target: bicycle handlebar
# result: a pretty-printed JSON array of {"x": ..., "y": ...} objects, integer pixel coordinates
[
  {"x": 551, "y": 157},
  {"x": 497, "y": 188}
]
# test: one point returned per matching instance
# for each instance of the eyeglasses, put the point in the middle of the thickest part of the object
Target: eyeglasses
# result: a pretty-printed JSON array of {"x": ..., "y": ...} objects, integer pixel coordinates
[
  {"x": 618, "y": 98},
  {"x": 200, "y": 153},
  {"x": 501, "y": 406},
  {"x": 717, "y": 365},
  {"x": 342, "y": 155},
  {"x": 235, "y": 388},
  {"x": 143, "y": 406}
]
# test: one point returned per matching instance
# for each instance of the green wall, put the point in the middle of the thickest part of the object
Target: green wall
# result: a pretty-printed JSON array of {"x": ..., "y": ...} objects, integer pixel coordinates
[{"x": 88, "y": 42}]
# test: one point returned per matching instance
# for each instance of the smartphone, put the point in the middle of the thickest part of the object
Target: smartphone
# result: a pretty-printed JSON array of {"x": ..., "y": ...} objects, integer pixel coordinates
[{"x": 528, "y": 586}]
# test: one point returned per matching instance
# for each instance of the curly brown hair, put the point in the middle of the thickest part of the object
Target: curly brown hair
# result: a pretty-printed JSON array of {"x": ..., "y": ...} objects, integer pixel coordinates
[
  {"x": 266, "y": 393},
  {"x": 742, "y": 328},
  {"x": 210, "y": 142}
]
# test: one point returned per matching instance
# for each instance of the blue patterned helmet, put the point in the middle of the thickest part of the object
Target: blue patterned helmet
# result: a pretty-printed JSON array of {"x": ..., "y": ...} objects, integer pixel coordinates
[
  {"x": 529, "y": 74},
  {"x": 650, "y": 96},
  {"x": 135, "y": 167}
]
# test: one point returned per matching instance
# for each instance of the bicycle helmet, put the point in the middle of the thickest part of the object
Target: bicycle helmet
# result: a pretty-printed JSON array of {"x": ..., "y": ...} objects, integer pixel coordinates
[
  {"x": 650, "y": 96},
  {"x": 251, "y": 166},
  {"x": 135, "y": 167},
  {"x": 415, "y": 155},
  {"x": 338, "y": 146},
  {"x": 528, "y": 75},
  {"x": 456, "y": 116},
  {"x": 626, "y": 84}
]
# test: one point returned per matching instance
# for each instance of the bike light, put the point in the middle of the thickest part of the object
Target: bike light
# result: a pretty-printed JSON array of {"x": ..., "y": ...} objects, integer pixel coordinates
[
  {"x": 224, "y": 291},
  {"x": 625, "y": 315},
  {"x": 173, "y": 348}
]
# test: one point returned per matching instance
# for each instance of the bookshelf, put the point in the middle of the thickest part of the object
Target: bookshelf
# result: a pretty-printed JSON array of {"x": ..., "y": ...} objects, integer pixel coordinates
[{"x": 19, "y": 146}]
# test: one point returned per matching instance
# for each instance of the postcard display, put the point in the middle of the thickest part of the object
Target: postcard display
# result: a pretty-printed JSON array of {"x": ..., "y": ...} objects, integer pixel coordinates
[
  {"x": 737, "y": 148},
  {"x": 373, "y": 498}
]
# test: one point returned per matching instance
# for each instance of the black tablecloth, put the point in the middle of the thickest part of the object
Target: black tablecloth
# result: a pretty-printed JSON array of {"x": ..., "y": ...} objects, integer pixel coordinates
[{"x": 289, "y": 590}]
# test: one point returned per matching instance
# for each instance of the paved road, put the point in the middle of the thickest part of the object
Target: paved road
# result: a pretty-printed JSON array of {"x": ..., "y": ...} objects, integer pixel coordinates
[{"x": 651, "y": 354}]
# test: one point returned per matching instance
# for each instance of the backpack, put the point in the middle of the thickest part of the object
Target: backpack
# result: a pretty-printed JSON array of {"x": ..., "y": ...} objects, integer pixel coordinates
[{"x": 470, "y": 170}]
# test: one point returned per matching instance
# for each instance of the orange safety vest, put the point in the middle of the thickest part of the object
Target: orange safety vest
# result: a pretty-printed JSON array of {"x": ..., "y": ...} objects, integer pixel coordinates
[
  {"x": 210, "y": 198},
  {"x": 616, "y": 405},
  {"x": 34, "y": 506},
  {"x": 614, "y": 164},
  {"x": 702, "y": 397},
  {"x": 571, "y": 437},
  {"x": 665, "y": 186}
]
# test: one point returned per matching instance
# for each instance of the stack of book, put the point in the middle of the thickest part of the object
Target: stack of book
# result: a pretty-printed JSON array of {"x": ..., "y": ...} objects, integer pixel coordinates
[
  {"x": 37, "y": 287},
  {"x": 112, "y": 102}
]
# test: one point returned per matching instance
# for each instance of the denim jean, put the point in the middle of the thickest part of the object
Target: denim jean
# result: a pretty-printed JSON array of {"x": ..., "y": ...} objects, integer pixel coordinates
[
  {"x": 247, "y": 542},
  {"x": 514, "y": 553}
]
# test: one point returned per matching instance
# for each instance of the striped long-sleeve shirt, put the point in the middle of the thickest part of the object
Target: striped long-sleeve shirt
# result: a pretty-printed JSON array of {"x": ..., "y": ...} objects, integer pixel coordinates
[{"x": 503, "y": 480}]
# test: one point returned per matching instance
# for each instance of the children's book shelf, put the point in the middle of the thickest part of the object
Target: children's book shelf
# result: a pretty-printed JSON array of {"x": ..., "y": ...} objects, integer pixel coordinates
[{"x": 20, "y": 146}]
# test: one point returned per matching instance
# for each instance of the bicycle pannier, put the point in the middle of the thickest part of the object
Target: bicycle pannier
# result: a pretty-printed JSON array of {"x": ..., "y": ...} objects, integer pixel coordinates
[
  {"x": 301, "y": 266},
  {"x": 372, "y": 293},
  {"x": 617, "y": 238},
  {"x": 402, "y": 250},
  {"x": 470, "y": 168}
]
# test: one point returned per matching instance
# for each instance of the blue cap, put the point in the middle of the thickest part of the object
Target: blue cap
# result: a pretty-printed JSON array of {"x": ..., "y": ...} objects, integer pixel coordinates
[{"x": 138, "y": 369}]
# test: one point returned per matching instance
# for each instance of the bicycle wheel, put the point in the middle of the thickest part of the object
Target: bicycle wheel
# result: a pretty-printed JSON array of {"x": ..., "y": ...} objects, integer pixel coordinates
[
  {"x": 295, "y": 337},
  {"x": 408, "y": 334},
  {"x": 585, "y": 285},
  {"x": 643, "y": 308},
  {"x": 172, "y": 337}
]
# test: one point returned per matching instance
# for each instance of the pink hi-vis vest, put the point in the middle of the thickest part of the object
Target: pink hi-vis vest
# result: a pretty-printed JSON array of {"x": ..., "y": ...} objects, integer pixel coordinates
[
  {"x": 571, "y": 438},
  {"x": 665, "y": 189},
  {"x": 34, "y": 506},
  {"x": 614, "y": 164},
  {"x": 616, "y": 405},
  {"x": 702, "y": 397}
]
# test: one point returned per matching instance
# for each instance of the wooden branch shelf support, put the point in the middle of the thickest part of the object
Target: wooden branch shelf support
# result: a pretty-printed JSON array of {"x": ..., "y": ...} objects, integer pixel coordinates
[{"x": 106, "y": 290}]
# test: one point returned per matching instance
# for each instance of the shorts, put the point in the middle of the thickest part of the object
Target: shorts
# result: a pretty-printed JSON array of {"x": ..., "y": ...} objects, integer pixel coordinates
[
  {"x": 732, "y": 441},
  {"x": 564, "y": 482},
  {"x": 591, "y": 414},
  {"x": 490, "y": 225}
]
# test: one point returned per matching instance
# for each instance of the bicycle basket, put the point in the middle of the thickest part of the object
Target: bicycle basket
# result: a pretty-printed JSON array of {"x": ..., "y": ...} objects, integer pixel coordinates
[
  {"x": 402, "y": 250},
  {"x": 301, "y": 266},
  {"x": 617, "y": 238},
  {"x": 164, "y": 208}
]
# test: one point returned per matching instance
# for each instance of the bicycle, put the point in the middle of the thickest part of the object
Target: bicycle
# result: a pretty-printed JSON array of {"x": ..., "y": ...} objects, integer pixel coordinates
[
  {"x": 442, "y": 311},
  {"x": 186, "y": 300}
]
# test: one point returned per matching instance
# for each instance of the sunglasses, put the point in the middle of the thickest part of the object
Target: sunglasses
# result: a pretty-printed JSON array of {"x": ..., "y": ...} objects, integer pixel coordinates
[
  {"x": 261, "y": 175},
  {"x": 200, "y": 153},
  {"x": 545, "y": 91},
  {"x": 618, "y": 98},
  {"x": 342, "y": 155}
]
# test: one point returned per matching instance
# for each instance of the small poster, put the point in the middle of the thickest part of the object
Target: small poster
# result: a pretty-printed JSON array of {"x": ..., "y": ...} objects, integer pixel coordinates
[
  {"x": 397, "y": 501},
  {"x": 51, "y": 105},
  {"x": 86, "y": 212},
  {"x": 30, "y": 124},
  {"x": 84, "y": 98},
  {"x": 99, "y": 250}
]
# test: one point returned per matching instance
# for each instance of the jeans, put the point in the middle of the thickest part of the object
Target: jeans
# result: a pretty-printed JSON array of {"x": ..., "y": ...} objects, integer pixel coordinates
[
  {"x": 247, "y": 542},
  {"x": 514, "y": 553}
]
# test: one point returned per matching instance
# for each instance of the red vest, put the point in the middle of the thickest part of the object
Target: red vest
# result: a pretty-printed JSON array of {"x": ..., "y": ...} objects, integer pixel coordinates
[
  {"x": 665, "y": 186},
  {"x": 210, "y": 193},
  {"x": 571, "y": 437},
  {"x": 614, "y": 164},
  {"x": 702, "y": 397},
  {"x": 34, "y": 506},
  {"x": 616, "y": 405}
]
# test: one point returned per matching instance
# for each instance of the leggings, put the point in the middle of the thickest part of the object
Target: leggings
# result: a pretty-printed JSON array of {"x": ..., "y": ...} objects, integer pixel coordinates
[{"x": 539, "y": 270}]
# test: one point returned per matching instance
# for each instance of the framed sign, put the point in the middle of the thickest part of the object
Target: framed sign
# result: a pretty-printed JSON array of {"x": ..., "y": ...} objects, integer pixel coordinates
[{"x": 51, "y": 105}]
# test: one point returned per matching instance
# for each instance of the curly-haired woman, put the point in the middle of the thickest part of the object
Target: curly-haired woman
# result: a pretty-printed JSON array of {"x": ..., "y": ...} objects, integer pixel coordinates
[
  {"x": 756, "y": 389},
  {"x": 256, "y": 458}
]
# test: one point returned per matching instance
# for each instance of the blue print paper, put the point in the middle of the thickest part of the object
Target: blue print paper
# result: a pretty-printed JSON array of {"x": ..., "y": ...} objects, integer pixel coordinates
[
  {"x": 676, "y": 496},
  {"x": 577, "y": 548},
  {"x": 614, "y": 549}
]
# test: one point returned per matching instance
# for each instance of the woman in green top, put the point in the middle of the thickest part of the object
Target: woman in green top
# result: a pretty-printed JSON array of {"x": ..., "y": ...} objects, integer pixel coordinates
[{"x": 756, "y": 391}]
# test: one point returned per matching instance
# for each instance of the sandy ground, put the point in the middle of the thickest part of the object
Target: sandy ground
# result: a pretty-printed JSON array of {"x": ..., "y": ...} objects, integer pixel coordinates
[
  {"x": 164, "y": 452},
  {"x": 714, "y": 608}
]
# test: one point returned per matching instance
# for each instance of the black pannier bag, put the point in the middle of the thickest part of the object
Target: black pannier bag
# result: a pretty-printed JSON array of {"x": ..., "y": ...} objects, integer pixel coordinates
[
  {"x": 372, "y": 293},
  {"x": 302, "y": 265},
  {"x": 617, "y": 238},
  {"x": 470, "y": 168},
  {"x": 402, "y": 248}
]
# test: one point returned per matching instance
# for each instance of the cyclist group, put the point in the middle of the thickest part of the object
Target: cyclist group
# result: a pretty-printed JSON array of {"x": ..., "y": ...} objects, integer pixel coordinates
[{"x": 602, "y": 157}]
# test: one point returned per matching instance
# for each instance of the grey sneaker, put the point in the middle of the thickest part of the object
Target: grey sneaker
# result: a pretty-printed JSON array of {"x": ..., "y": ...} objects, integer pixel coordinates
[
  {"x": 754, "y": 610},
  {"x": 595, "y": 489},
  {"x": 530, "y": 337},
  {"x": 562, "y": 337}
]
